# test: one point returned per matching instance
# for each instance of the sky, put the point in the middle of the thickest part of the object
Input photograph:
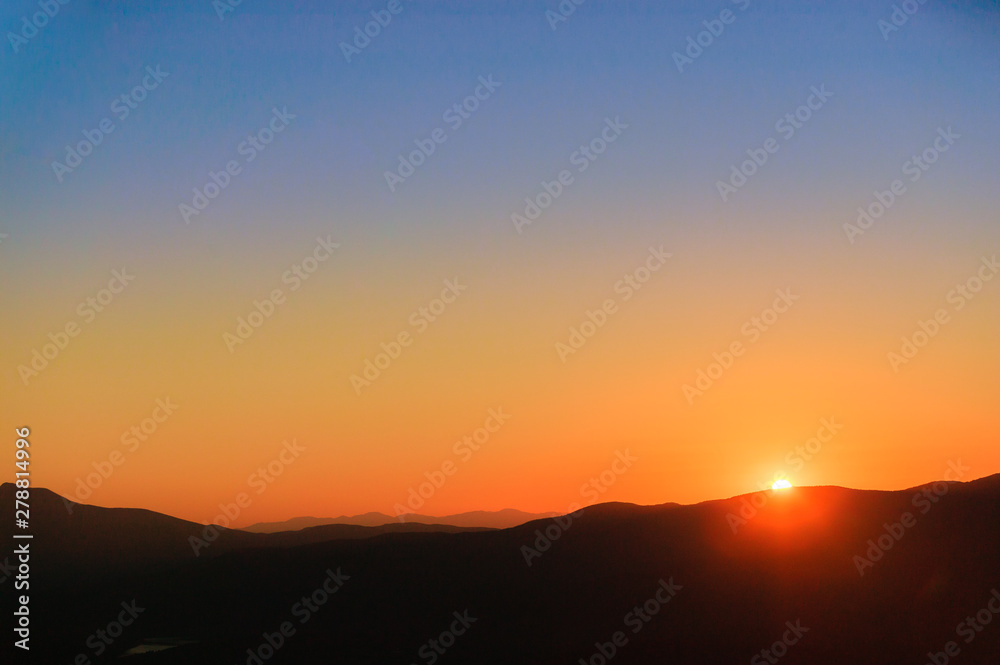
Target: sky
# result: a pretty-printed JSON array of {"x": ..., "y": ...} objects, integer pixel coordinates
[{"x": 496, "y": 255}]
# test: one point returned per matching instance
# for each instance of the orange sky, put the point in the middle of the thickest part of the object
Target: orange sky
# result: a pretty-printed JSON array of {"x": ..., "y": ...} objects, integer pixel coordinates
[
  {"x": 494, "y": 347},
  {"x": 630, "y": 152}
]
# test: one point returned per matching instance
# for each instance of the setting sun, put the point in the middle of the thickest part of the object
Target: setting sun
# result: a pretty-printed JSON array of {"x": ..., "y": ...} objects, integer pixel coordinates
[{"x": 781, "y": 485}]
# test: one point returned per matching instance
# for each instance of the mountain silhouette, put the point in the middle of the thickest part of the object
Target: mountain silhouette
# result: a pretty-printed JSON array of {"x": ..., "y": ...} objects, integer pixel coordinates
[
  {"x": 715, "y": 582},
  {"x": 500, "y": 519},
  {"x": 84, "y": 539}
]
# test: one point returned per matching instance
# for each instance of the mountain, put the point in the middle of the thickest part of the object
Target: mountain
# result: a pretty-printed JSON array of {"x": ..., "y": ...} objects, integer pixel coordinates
[
  {"x": 817, "y": 575},
  {"x": 500, "y": 519},
  {"x": 83, "y": 539}
]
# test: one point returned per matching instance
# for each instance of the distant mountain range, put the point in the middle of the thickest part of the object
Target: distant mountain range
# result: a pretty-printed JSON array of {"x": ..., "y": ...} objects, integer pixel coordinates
[
  {"x": 500, "y": 519},
  {"x": 77, "y": 537},
  {"x": 813, "y": 575}
]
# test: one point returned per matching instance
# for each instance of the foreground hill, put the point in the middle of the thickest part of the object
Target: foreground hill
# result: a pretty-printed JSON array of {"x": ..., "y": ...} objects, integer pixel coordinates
[{"x": 715, "y": 582}]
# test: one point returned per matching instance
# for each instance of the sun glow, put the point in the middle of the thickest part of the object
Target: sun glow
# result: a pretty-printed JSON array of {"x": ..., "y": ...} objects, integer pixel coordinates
[{"x": 781, "y": 485}]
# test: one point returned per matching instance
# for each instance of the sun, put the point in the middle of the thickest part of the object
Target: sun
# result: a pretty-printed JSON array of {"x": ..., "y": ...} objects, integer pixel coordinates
[{"x": 781, "y": 485}]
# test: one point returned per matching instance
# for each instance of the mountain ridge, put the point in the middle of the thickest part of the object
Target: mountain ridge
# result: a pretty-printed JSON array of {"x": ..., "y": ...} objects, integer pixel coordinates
[
  {"x": 546, "y": 591},
  {"x": 493, "y": 519}
]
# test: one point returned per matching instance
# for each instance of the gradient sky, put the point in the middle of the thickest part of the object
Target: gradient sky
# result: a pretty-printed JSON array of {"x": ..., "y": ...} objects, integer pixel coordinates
[{"x": 495, "y": 346}]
